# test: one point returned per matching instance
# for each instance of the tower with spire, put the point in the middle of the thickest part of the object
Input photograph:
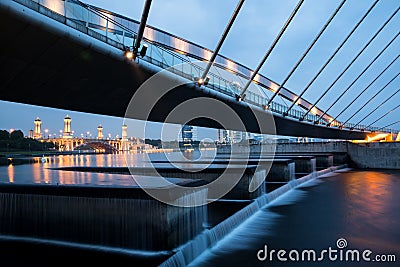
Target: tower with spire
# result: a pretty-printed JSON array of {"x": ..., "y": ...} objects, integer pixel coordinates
[
  {"x": 100, "y": 132},
  {"x": 67, "y": 127},
  {"x": 37, "y": 132}
]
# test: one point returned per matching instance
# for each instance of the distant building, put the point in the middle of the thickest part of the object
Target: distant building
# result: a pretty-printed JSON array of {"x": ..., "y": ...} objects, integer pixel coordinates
[
  {"x": 100, "y": 132},
  {"x": 67, "y": 127},
  {"x": 125, "y": 145},
  {"x": 37, "y": 132},
  {"x": 258, "y": 137},
  {"x": 124, "y": 133},
  {"x": 223, "y": 136},
  {"x": 67, "y": 142},
  {"x": 237, "y": 136},
  {"x": 30, "y": 134},
  {"x": 187, "y": 137}
]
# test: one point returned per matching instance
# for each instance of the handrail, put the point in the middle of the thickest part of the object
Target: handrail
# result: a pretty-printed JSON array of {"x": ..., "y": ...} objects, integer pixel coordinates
[{"x": 228, "y": 89}]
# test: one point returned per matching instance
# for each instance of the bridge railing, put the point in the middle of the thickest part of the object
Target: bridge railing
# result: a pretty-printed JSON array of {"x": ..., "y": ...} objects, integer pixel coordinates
[
  {"x": 170, "y": 52},
  {"x": 166, "y": 50}
]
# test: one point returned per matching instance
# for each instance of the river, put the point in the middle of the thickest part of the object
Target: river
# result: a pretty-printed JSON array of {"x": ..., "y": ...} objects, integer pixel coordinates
[{"x": 360, "y": 208}]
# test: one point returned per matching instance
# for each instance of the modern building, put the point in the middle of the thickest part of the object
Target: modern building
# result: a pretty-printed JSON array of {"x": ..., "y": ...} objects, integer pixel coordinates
[
  {"x": 223, "y": 136},
  {"x": 187, "y": 137}
]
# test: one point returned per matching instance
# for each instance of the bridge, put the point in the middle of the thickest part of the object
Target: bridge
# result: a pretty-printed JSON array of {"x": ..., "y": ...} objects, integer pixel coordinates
[
  {"x": 68, "y": 142},
  {"x": 96, "y": 145},
  {"x": 99, "y": 52}
]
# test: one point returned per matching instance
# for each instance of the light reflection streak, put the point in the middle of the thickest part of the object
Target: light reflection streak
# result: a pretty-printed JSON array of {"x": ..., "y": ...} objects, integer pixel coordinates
[{"x": 10, "y": 170}]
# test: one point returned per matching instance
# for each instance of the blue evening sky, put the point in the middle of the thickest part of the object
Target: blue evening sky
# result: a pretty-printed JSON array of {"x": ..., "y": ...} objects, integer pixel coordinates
[{"x": 259, "y": 21}]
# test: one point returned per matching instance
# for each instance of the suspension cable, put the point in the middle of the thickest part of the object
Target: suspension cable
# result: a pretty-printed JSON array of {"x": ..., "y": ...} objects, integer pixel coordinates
[
  {"x": 334, "y": 54},
  {"x": 387, "y": 113},
  {"x": 219, "y": 45},
  {"x": 365, "y": 89},
  {"x": 374, "y": 96},
  {"x": 271, "y": 47},
  {"x": 306, "y": 52},
  {"x": 354, "y": 59},
  {"x": 388, "y": 125},
  {"x": 375, "y": 109}
]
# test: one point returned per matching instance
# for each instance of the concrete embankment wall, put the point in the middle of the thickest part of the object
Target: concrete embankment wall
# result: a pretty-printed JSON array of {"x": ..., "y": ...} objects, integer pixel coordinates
[{"x": 377, "y": 155}]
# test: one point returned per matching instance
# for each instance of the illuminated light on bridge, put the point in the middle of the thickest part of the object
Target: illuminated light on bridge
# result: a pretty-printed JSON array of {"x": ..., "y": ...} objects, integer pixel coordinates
[
  {"x": 273, "y": 87},
  {"x": 379, "y": 137},
  {"x": 93, "y": 18},
  {"x": 231, "y": 66},
  {"x": 314, "y": 111},
  {"x": 56, "y": 6},
  {"x": 129, "y": 54},
  {"x": 207, "y": 55},
  {"x": 200, "y": 81},
  {"x": 181, "y": 46},
  {"x": 149, "y": 33}
]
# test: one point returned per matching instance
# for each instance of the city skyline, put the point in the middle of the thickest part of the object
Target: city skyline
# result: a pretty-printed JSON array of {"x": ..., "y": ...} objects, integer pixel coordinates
[
  {"x": 242, "y": 47},
  {"x": 88, "y": 123}
]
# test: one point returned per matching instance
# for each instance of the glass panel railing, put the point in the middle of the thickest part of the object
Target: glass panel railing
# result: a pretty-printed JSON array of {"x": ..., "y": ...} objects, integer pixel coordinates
[{"x": 169, "y": 51}]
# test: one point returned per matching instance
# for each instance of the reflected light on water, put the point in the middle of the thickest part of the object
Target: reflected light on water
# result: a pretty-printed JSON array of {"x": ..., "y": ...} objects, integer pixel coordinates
[
  {"x": 10, "y": 173},
  {"x": 370, "y": 196},
  {"x": 44, "y": 172}
]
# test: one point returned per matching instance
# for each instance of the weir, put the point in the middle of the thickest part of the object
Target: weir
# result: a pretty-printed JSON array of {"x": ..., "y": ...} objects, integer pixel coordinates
[
  {"x": 204, "y": 172},
  {"x": 282, "y": 169},
  {"x": 121, "y": 217},
  {"x": 191, "y": 250},
  {"x": 322, "y": 160}
]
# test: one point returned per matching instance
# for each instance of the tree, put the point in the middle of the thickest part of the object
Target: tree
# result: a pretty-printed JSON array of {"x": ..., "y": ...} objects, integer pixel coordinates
[
  {"x": 4, "y": 135},
  {"x": 17, "y": 135}
]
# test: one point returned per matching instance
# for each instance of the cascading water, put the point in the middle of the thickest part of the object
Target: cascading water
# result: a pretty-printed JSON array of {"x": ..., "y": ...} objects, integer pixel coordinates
[
  {"x": 142, "y": 224},
  {"x": 209, "y": 238}
]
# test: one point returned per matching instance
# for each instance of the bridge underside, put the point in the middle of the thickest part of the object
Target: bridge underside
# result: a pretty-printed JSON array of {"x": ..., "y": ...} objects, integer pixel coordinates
[{"x": 52, "y": 65}]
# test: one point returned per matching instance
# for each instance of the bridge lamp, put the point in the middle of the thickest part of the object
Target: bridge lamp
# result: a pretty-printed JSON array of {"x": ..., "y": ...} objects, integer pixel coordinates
[
  {"x": 129, "y": 54},
  {"x": 200, "y": 81}
]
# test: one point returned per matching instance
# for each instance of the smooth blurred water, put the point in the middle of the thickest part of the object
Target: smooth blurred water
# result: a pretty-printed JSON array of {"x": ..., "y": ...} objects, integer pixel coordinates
[
  {"x": 361, "y": 206},
  {"x": 42, "y": 173}
]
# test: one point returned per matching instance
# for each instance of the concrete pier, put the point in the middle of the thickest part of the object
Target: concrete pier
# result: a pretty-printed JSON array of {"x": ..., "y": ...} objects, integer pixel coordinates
[
  {"x": 303, "y": 164},
  {"x": 377, "y": 155},
  {"x": 322, "y": 160},
  {"x": 282, "y": 169},
  {"x": 204, "y": 172}
]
